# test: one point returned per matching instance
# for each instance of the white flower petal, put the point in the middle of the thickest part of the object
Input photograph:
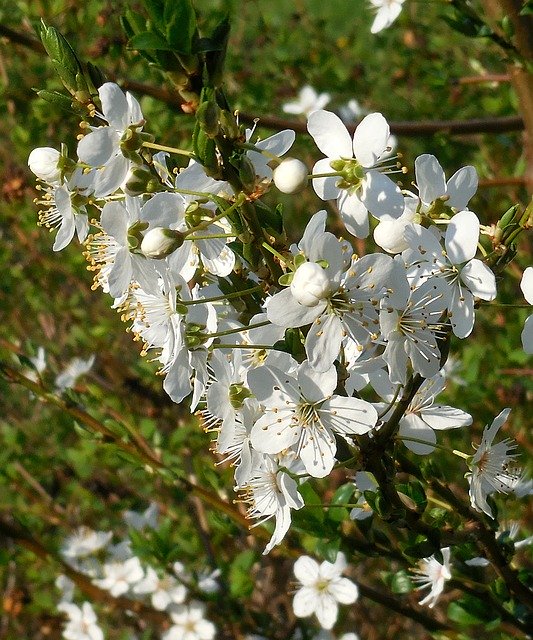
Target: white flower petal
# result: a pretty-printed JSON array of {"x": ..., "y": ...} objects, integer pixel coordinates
[
  {"x": 305, "y": 602},
  {"x": 526, "y": 284},
  {"x": 412, "y": 426},
  {"x": 344, "y": 591},
  {"x": 330, "y": 134},
  {"x": 114, "y": 105},
  {"x": 326, "y": 611},
  {"x": 479, "y": 279},
  {"x": 462, "y": 235},
  {"x": 442, "y": 417},
  {"x": 306, "y": 570},
  {"x": 429, "y": 178},
  {"x": 381, "y": 196},
  {"x": 325, "y": 188},
  {"x": 461, "y": 187},
  {"x": 370, "y": 139},
  {"x": 98, "y": 146},
  {"x": 527, "y": 335},
  {"x": 354, "y": 214}
]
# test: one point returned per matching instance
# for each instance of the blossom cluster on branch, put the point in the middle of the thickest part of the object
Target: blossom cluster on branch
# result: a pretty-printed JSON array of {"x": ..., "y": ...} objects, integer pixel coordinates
[{"x": 300, "y": 358}]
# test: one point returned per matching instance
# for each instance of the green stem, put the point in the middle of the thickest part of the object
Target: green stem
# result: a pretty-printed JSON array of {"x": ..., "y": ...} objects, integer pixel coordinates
[
  {"x": 161, "y": 147},
  {"x": 224, "y": 296},
  {"x": 228, "y": 332},
  {"x": 277, "y": 254}
]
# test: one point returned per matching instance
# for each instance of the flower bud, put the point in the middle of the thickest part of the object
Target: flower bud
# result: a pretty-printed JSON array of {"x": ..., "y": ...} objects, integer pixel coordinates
[
  {"x": 310, "y": 284},
  {"x": 290, "y": 176},
  {"x": 389, "y": 233},
  {"x": 159, "y": 242},
  {"x": 43, "y": 162}
]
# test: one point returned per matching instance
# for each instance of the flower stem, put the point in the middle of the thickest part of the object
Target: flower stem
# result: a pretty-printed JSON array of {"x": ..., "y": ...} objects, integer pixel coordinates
[
  {"x": 228, "y": 332},
  {"x": 161, "y": 147}
]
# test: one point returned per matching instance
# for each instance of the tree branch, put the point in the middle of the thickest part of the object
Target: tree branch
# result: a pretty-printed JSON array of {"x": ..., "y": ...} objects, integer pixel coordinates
[{"x": 402, "y": 128}]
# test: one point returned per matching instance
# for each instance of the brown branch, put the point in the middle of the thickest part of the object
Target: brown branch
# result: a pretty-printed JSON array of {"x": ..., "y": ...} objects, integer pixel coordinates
[
  {"x": 486, "y": 77},
  {"x": 392, "y": 603},
  {"x": 521, "y": 75},
  {"x": 144, "y": 454},
  {"x": 487, "y": 544},
  {"x": 403, "y": 128},
  {"x": 409, "y": 129}
]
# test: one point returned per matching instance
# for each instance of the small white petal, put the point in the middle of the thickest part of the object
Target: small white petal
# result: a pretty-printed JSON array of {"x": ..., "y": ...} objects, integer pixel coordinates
[
  {"x": 526, "y": 284},
  {"x": 330, "y": 134},
  {"x": 370, "y": 139},
  {"x": 462, "y": 235},
  {"x": 479, "y": 279},
  {"x": 461, "y": 187},
  {"x": 429, "y": 178}
]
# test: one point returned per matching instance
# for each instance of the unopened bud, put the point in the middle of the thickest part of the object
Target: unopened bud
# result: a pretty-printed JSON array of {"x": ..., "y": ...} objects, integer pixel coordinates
[
  {"x": 44, "y": 163},
  {"x": 290, "y": 176},
  {"x": 310, "y": 284},
  {"x": 159, "y": 242}
]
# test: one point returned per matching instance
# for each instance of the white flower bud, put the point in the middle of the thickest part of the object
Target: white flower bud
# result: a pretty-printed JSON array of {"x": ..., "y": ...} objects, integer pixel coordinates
[
  {"x": 290, "y": 176},
  {"x": 43, "y": 162},
  {"x": 389, "y": 233},
  {"x": 310, "y": 284},
  {"x": 159, "y": 242}
]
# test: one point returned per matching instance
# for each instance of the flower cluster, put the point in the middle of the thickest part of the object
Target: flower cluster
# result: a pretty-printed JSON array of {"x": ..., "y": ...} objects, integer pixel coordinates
[
  {"x": 290, "y": 355},
  {"x": 114, "y": 568}
]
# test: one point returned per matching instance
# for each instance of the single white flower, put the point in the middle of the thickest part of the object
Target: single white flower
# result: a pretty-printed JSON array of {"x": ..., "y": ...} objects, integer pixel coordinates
[
  {"x": 431, "y": 573},
  {"x": 411, "y": 327},
  {"x": 119, "y": 577},
  {"x": 422, "y": 417},
  {"x": 142, "y": 520},
  {"x": 466, "y": 276},
  {"x": 163, "y": 591},
  {"x": 82, "y": 622},
  {"x": 352, "y": 172},
  {"x": 304, "y": 413},
  {"x": 84, "y": 542},
  {"x": 65, "y": 209},
  {"x": 322, "y": 589},
  {"x": 308, "y": 101},
  {"x": 492, "y": 467},
  {"x": 189, "y": 623},
  {"x": 76, "y": 368},
  {"x": 272, "y": 493},
  {"x": 102, "y": 149},
  {"x": 387, "y": 12}
]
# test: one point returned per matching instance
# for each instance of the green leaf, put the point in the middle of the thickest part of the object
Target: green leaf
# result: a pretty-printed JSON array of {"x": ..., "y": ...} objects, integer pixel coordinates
[
  {"x": 313, "y": 500},
  {"x": 240, "y": 579},
  {"x": 156, "y": 11},
  {"x": 62, "y": 55},
  {"x": 148, "y": 40},
  {"x": 180, "y": 24},
  {"x": 401, "y": 582},
  {"x": 328, "y": 549}
]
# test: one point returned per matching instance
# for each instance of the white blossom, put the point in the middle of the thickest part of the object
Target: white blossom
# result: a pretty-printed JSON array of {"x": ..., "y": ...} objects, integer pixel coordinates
[
  {"x": 357, "y": 180},
  {"x": 492, "y": 467},
  {"x": 431, "y": 573},
  {"x": 322, "y": 589},
  {"x": 308, "y": 101}
]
